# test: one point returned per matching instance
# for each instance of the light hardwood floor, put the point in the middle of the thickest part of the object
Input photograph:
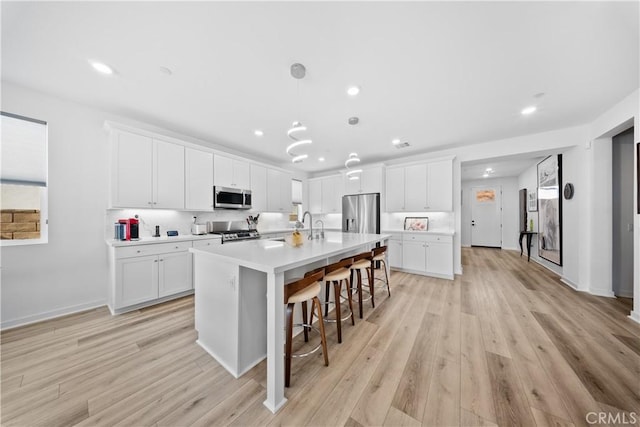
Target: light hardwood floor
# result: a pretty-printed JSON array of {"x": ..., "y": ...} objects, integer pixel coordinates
[{"x": 505, "y": 344}]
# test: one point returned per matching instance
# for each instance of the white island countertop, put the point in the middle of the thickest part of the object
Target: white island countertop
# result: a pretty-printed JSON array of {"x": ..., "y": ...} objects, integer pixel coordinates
[{"x": 272, "y": 256}]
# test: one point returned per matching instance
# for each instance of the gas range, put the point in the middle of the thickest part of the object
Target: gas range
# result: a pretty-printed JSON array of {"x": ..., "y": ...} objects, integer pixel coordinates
[{"x": 237, "y": 235}]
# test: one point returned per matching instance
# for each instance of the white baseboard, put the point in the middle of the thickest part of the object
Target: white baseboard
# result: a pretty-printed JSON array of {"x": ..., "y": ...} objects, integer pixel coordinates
[
  {"x": 635, "y": 316},
  {"x": 569, "y": 283},
  {"x": 513, "y": 248},
  {"x": 602, "y": 293},
  {"x": 27, "y": 320}
]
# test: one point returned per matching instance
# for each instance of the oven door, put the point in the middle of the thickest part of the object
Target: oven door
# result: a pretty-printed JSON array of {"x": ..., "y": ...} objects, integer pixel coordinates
[{"x": 228, "y": 198}]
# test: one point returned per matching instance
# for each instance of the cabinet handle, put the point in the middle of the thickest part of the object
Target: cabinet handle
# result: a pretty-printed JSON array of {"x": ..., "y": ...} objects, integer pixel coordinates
[
  {"x": 155, "y": 260},
  {"x": 155, "y": 203},
  {"x": 177, "y": 247},
  {"x": 138, "y": 252},
  {"x": 149, "y": 203},
  {"x": 161, "y": 259}
]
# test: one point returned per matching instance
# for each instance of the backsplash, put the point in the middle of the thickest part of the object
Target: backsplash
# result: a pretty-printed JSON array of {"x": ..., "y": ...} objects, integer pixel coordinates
[
  {"x": 437, "y": 220},
  {"x": 182, "y": 220}
]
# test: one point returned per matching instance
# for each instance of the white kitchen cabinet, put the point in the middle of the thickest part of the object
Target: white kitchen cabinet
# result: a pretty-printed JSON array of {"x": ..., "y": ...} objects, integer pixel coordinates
[
  {"x": 439, "y": 259},
  {"x": 394, "y": 247},
  {"x": 175, "y": 273},
  {"x": 420, "y": 187},
  {"x": 332, "y": 194},
  {"x": 395, "y": 189},
  {"x": 315, "y": 195},
  {"x": 198, "y": 179},
  {"x": 428, "y": 254},
  {"x": 370, "y": 182},
  {"x": 440, "y": 186},
  {"x": 229, "y": 172},
  {"x": 415, "y": 188},
  {"x": 325, "y": 195},
  {"x": 146, "y": 172},
  {"x": 414, "y": 256},
  {"x": 150, "y": 273},
  {"x": 278, "y": 191},
  {"x": 259, "y": 192},
  {"x": 136, "y": 280}
]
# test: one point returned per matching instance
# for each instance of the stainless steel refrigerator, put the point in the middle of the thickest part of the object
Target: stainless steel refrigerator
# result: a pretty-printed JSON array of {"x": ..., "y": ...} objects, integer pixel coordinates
[{"x": 361, "y": 213}]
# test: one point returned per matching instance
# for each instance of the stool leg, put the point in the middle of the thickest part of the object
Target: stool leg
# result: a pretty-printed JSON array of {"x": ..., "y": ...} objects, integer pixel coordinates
[
  {"x": 359, "y": 284},
  {"x": 323, "y": 337},
  {"x": 305, "y": 320},
  {"x": 350, "y": 299},
  {"x": 287, "y": 352},
  {"x": 386, "y": 275},
  {"x": 336, "y": 292},
  {"x": 371, "y": 287},
  {"x": 327, "y": 285}
]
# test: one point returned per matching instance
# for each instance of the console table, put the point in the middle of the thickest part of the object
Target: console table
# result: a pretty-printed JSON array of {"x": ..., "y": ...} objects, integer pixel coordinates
[{"x": 529, "y": 234}]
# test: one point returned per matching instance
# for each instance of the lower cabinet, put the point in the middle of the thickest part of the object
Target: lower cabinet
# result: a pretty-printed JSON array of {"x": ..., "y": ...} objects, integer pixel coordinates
[
  {"x": 427, "y": 254},
  {"x": 395, "y": 252},
  {"x": 143, "y": 274}
]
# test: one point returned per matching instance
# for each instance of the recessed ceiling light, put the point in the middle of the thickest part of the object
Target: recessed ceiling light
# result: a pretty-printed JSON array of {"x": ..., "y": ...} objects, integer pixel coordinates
[
  {"x": 101, "y": 67},
  {"x": 529, "y": 110},
  {"x": 321, "y": 159},
  {"x": 258, "y": 132},
  {"x": 353, "y": 90},
  {"x": 395, "y": 141}
]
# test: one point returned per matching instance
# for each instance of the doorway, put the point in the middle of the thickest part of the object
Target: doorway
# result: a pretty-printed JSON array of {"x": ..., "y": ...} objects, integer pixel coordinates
[
  {"x": 623, "y": 151},
  {"x": 486, "y": 216}
]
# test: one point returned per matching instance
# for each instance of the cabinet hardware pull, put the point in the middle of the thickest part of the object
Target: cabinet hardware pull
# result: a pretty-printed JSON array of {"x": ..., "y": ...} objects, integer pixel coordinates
[
  {"x": 138, "y": 251},
  {"x": 155, "y": 260},
  {"x": 161, "y": 259}
]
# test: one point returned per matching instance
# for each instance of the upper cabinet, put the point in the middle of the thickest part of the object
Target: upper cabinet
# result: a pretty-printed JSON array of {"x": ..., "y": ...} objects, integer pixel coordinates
[
  {"x": 370, "y": 182},
  {"x": 278, "y": 191},
  {"x": 420, "y": 187},
  {"x": 229, "y": 172},
  {"x": 146, "y": 172},
  {"x": 198, "y": 179},
  {"x": 259, "y": 192},
  {"x": 325, "y": 194}
]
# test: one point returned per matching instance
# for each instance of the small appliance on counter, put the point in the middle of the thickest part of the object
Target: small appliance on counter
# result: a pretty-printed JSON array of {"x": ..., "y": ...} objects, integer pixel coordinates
[
  {"x": 413, "y": 223},
  {"x": 127, "y": 229},
  {"x": 198, "y": 229}
]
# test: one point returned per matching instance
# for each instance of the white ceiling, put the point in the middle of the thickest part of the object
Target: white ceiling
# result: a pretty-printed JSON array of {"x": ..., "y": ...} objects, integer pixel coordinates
[
  {"x": 503, "y": 167},
  {"x": 435, "y": 74}
]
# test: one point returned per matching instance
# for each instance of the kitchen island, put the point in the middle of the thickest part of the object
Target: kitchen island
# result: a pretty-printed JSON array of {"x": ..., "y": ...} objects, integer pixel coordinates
[{"x": 236, "y": 324}]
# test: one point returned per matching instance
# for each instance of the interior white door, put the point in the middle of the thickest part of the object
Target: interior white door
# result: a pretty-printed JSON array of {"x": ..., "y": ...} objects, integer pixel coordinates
[{"x": 486, "y": 216}]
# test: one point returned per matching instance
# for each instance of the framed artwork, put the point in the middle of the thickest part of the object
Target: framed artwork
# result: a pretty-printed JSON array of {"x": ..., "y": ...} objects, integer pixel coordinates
[
  {"x": 532, "y": 201},
  {"x": 416, "y": 223},
  {"x": 550, "y": 209}
]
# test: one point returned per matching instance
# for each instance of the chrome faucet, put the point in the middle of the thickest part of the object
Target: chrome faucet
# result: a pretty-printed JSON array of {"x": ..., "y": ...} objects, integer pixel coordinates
[
  {"x": 304, "y": 215},
  {"x": 322, "y": 231}
]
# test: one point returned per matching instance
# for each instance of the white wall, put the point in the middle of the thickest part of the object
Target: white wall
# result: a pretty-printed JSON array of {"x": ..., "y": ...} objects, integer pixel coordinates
[
  {"x": 70, "y": 272},
  {"x": 510, "y": 210}
]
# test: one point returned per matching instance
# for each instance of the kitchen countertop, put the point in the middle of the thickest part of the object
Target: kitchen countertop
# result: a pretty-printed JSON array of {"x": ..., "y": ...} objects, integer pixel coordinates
[
  {"x": 273, "y": 256},
  {"x": 161, "y": 239},
  {"x": 444, "y": 232}
]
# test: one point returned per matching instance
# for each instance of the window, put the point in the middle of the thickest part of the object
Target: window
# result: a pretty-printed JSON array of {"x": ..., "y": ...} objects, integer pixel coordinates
[{"x": 23, "y": 180}]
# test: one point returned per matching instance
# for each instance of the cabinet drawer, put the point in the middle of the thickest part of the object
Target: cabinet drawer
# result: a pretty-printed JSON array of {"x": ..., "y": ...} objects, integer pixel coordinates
[
  {"x": 206, "y": 243},
  {"x": 144, "y": 250},
  {"x": 434, "y": 238}
]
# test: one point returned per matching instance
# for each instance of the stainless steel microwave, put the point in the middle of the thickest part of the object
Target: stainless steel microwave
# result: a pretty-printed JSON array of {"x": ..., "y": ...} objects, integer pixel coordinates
[{"x": 231, "y": 198}]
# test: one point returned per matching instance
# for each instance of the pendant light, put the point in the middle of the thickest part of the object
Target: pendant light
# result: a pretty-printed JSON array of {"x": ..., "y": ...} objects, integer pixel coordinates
[{"x": 298, "y": 71}]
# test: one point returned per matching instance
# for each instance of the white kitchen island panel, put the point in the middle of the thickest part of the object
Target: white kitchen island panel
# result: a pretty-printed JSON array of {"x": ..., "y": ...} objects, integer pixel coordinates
[{"x": 256, "y": 265}]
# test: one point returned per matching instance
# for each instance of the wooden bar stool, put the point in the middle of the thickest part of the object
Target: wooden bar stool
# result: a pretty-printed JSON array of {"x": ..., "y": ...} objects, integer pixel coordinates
[
  {"x": 380, "y": 255},
  {"x": 301, "y": 291},
  {"x": 362, "y": 262},
  {"x": 336, "y": 273}
]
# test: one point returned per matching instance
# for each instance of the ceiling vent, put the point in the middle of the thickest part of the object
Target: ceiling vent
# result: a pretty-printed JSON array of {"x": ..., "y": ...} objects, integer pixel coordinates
[{"x": 402, "y": 145}]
